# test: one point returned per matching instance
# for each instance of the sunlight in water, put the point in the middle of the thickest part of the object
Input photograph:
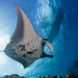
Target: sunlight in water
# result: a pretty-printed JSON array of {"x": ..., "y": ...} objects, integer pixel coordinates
[
  {"x": 4, "y": 40},
  {"x": 3, "y": 59}
]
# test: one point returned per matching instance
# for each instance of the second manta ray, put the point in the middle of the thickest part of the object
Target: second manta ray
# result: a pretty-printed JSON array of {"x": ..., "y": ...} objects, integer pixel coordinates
[{"x": 26, "y": 45}]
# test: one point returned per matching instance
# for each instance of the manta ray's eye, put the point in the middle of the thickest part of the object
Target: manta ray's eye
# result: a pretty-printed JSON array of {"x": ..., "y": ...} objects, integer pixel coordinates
[{"x": 21, "y": 47}]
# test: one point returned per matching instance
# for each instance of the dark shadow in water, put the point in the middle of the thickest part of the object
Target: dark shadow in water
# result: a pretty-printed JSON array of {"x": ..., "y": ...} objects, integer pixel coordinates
[
  {"x": 74, "y": 68},
  {"x": 56, "y": 24}
]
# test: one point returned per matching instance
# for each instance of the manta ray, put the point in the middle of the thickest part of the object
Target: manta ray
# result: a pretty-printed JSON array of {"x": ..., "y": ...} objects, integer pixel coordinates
[{"x": 26, "y": 44}]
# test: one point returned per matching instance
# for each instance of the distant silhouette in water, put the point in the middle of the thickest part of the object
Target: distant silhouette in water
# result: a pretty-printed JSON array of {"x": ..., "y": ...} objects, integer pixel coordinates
[{"x": 26, "y": 44}]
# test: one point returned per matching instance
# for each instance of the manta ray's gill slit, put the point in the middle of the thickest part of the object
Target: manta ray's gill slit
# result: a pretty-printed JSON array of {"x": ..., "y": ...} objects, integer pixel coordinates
[
  {"x": 21, "y": 47},
  {"x": 24, "y": 55},
  {"x": 30, "y": 52}
]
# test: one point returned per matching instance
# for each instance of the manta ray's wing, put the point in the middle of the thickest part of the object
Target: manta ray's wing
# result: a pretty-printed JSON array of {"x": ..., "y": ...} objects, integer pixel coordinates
[
  {"x": 24, "y": 30},
  {"x": 55, "y": 29}
]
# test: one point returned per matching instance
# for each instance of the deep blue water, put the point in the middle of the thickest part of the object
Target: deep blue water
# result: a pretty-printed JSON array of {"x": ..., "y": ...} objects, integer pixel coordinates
[
  {"x": 66, "y": 52},
  {"x": 41, "y": 13}
]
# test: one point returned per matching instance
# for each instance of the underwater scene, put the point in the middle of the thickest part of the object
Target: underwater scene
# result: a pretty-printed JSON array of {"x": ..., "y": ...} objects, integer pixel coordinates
[{"x": 53, "y": 22}]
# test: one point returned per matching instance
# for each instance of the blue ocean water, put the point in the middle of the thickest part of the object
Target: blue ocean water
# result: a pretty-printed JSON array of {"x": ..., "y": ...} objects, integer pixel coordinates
[{"x": 42, "y": 13}]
